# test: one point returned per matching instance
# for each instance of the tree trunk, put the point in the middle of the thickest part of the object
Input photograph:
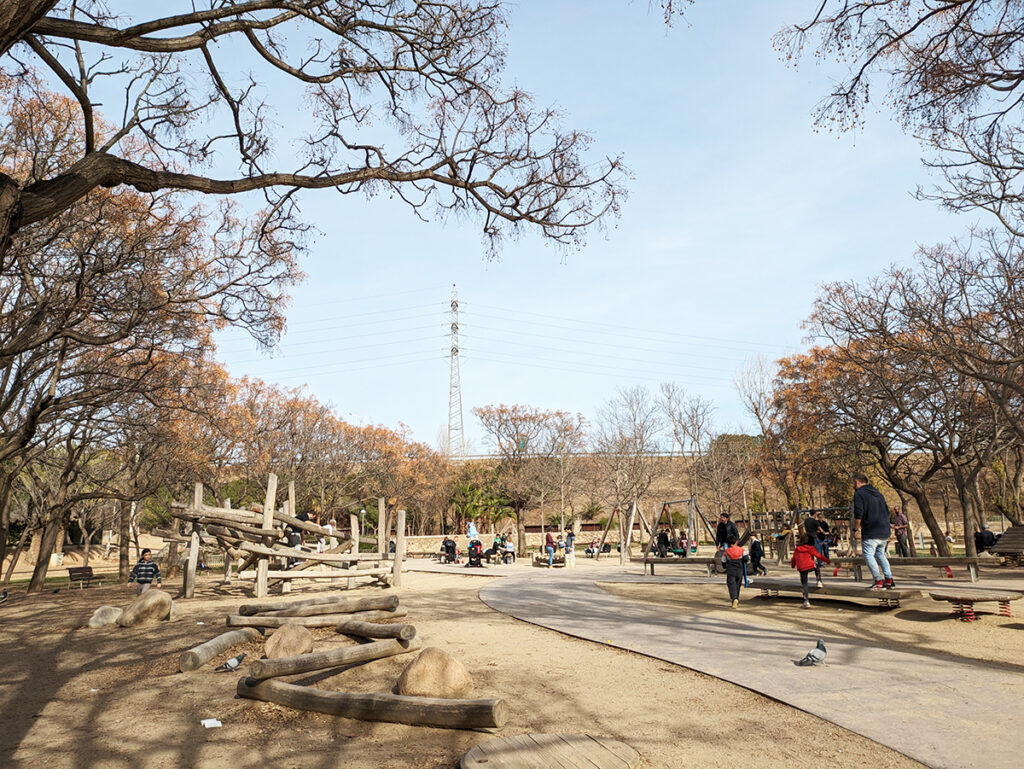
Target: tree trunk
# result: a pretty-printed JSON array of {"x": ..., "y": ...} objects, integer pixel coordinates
[
  {"x": 6, "y": 487},
  {"x": 51, "y": 531},
  {"x": 16, "y": 19},
  {"x": 17, "y": 554},
  {"x": 124, "y": 565},
  {"x": 521, "y": 530}
]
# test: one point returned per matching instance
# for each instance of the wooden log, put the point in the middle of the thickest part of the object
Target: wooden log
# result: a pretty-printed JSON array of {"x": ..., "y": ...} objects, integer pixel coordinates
[
  {"x": 198, "y": 656},
  {"x": 323, "y": 620},
  {"x": 402, "y": 632},
  {"x": 227, "y": 514},
  {"x": 282, "y": 574},
  {"x": 341, "y": 606},
  {"x": 294, "y": 522},
  {"x": 332, "y": 658},
  {"x": 188, "y": 587},
  {"x": 306, "y": 555},
  {"x": 392, "y": 708},
  {"x": 239, "y": 531}
]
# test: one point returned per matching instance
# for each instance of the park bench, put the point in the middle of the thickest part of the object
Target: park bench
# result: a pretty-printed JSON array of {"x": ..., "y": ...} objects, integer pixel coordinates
[
  {"x": 82, "y": 575},
  {"x": 1010, "y": 546},
  {"x": 963, "y": 601},
  {"x": 694, "y": 560},
  {"x": 887, "y": 599},
  {"x": 858, "y": 564}
]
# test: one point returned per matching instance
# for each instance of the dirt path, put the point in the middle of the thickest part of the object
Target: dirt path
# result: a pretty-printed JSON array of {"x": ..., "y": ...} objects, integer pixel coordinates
[{"x": 77, "y": 698}]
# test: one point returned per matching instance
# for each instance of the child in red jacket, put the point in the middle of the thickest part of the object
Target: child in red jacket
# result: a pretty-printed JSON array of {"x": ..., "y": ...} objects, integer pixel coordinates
[{"x": 803, "y": 561}]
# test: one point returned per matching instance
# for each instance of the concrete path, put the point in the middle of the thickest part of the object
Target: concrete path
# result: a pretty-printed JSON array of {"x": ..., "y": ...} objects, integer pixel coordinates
[{"x": 946, "y": 713}]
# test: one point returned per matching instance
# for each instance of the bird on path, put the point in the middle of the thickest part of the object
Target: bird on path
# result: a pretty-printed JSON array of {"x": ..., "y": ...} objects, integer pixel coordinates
[
  {"x": 3, "y": 596},
  {"x": 815, "y": 656}
]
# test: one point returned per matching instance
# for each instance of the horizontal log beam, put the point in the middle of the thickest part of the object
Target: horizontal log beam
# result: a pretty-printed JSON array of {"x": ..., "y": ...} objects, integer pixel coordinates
[
  {"x": 240, "y": 530},
  {"x": 198, "y": 656},
  {"x": 355, "y": 627},
  {"x": 332, "y": 658},
  {"x": 342, "y": 605},
  {"x": 334, "y": 573},
  {"x": 286, "y": 552},
  {"x": 392, "y": 708},
  {"x": 324, "y": 620}
]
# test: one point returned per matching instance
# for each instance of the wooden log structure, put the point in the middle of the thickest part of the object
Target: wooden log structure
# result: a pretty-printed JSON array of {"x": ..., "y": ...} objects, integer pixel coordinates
[
  {"x": 239, "y": 531},
  {"x": 384, "y": 602},
  {"x": 396, "y": 577},
  {"x": 227, "y": 514},
  {"x": 392, "y": 708},
  {"x": 263, "y": 564},
  {"x": 289, "y": 552},
  {"x": 402, "y": 632},
  {"x": 341, "y": 606},
  {"x": 332, "y": 658},
  {"x": 323, "y": 620},
  {"x": 382, "y": 574},
  {"x": 197, "y": 656}
]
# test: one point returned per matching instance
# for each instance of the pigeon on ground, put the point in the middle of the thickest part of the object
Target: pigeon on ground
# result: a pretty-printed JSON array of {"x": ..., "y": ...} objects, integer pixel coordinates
[
  {"x": 231, "y": 664},
  {"x": 3, "y": 596},
  {"x": 815, "y": 656}
]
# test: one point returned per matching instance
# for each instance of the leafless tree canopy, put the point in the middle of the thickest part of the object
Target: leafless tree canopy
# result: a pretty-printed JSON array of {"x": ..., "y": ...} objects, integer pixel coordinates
[{"x": 397, "y": 97}]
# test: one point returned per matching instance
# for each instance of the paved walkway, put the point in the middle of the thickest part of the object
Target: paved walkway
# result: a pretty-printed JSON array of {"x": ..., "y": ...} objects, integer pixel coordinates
[{"x": 906, "y": 699}]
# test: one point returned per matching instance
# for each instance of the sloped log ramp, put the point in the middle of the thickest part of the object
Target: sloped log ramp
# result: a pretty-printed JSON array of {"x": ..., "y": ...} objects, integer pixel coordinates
[
  {"x": 551, "y": 751},
  {"x": 324, "y": 620},
  {"x": 393, "y": 708},
  {"x": 198, "y": 656},
  {"x": 332, "y": 658}
]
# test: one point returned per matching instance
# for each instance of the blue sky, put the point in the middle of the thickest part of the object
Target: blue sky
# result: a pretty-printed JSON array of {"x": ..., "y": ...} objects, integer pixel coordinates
[{"x": 738, "y": 211}]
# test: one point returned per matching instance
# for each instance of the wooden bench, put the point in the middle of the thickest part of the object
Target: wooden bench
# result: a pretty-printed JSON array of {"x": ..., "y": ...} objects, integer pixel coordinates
[
  {"x": 887, "y": 599},
  {"x": 652, "y": 560},
  {"x": 963, "y": 601},
  {"x": 858, "y": 564},
  {"x": 82, "y": 575}
]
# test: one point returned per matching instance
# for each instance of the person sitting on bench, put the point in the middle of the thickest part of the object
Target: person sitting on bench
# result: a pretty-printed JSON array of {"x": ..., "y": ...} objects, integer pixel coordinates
[{"x": 984, "y": 539}]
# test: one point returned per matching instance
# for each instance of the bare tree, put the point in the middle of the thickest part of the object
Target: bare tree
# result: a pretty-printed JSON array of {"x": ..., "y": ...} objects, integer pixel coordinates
[
  {"x": 626, "y": 439},
  {"x": 192, "y": 99}
]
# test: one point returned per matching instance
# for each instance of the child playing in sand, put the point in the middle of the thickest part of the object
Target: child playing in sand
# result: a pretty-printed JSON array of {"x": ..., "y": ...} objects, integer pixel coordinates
[{"x": 803, "y": 561}]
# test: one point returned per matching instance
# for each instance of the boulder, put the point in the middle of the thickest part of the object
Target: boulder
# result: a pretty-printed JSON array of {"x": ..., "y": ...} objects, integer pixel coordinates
[
  {"x": 435, "y": 674},
  {"x": 152, "y": 606},
  {"x": 287, "y": 641},
  {"x": 105, "y": 615}
]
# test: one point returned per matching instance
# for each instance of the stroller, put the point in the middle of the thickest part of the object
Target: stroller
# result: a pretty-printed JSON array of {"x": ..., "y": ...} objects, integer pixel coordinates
[{"x": 475, "y": 553}]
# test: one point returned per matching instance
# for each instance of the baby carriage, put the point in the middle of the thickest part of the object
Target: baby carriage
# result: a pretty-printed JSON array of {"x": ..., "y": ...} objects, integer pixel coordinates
[{"x": 475, "y": 553}]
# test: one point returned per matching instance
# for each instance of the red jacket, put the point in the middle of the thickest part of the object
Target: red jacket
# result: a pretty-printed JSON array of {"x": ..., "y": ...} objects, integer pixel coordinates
[{"x": 803, "y": 558}]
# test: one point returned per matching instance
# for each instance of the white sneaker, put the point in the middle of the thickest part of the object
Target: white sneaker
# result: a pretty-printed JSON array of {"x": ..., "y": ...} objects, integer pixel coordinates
[
  {"x": 820, "y": 583},
  {"x": 806, "y": 605}
]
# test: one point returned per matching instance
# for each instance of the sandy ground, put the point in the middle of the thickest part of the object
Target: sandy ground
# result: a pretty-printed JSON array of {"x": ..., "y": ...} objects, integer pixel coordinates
[{"x": 79, "y": 698}]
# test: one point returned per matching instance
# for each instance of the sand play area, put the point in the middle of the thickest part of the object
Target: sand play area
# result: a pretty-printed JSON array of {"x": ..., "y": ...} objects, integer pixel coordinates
[{"x": 75, "y": 697}]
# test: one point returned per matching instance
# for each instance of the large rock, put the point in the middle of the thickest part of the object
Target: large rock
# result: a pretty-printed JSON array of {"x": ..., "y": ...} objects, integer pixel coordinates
[
  {"x": 105, "y": 615},
  {"x": 152, "y": 606},
  {"x": 287, "y": 641},
  {"x": 435, "y": 674}
]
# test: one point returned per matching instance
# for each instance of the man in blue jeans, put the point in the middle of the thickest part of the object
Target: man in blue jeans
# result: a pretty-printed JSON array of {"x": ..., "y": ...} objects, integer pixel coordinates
[{"x": 871, "y": 519}]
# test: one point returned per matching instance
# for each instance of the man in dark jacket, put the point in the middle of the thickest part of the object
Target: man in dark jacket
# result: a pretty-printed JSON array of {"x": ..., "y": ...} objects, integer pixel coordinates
[
  {"x": 871, "y": 519},
  {"x": 663, "y": 543},
  {"x": 724, "y": 530},
  {"x": 984, "y": 539}
]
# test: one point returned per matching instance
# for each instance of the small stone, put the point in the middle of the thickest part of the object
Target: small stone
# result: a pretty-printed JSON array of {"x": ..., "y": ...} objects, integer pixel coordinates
[
  {"x": 152, "y": 606},
  {"x": 435, "y": 674},
  {"x": 287, "y": 641},
  {"x": 105, "y": 615}
]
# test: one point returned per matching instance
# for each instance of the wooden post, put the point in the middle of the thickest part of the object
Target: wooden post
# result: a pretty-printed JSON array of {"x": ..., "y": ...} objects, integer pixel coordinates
[
  {"x": 604, "y": 536},
  {"x": 383, "y": 530},
  {"x": 263, "y": 565},
  {"x": 188, "y": 585},
  {"x": 396, "y": 579},
  {"x": 353, "y": 523},
  {"x": 286, "y": 586},
  {"x": 624, "y": 555},
  {"x": 228, "y": 560}
]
